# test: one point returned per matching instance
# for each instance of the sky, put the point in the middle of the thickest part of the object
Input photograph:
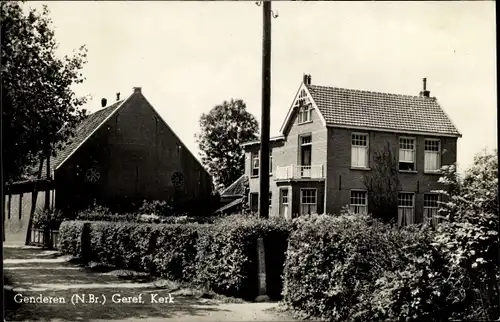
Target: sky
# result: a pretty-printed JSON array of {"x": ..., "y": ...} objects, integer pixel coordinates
[{"x": 190, "y": 56}]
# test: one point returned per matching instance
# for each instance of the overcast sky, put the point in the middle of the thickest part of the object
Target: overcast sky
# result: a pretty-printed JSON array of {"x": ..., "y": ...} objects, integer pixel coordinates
[{"x": 190, "y": 56}]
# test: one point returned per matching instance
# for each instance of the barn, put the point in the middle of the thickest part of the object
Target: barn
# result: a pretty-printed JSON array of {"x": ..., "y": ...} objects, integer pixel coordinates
[{"x": 121, "y": 155}]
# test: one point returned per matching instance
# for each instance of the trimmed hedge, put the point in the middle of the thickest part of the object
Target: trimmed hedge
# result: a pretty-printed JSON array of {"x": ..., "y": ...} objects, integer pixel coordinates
[
  {"x": 227, "y": 255},
  {"x": 333, "y": 265},
  {"x": 220, "y": 256}
]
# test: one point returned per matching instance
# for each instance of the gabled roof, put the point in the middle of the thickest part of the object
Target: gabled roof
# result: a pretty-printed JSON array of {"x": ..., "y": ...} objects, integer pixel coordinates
[
  {"x": 82, "y": 132},
  {"x": 271, "y": 139},
  {"x": 236, "y": 188},
  {"x": 357, "y": 109},
  {"x": 229, "y": 206}
]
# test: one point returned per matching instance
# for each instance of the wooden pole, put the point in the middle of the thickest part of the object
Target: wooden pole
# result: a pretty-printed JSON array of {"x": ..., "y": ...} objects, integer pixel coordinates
[
  {"x": 34, "y": 197},
  {"x": 266, "y": 106},
  {"x": 264, "y": 144},
  {"x": 47, "y": 235}
]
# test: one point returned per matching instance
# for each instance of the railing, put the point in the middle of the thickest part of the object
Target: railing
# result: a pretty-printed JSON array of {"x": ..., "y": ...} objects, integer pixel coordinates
[
  {"x": 299, "y": 172},
  {"x": 38, "y": 237}
]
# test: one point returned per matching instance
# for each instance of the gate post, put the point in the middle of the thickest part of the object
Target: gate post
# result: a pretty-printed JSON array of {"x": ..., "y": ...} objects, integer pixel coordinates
[{"x": 261, "y": 263}]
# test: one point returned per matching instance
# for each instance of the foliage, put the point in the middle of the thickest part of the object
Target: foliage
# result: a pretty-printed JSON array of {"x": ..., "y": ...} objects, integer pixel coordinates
[
  {"x": 99, "y": 213},
  {"x": 49, "y": 219},
  {"x": 39, "y": 108},
  {"x": 221, "y": 256},
  {"x": 223, "y": 130},
  {"x": 469, "y": 237},
  {"x": 382, "y": 184},
  {"x": 354, "y": 268},
  {"x": 230, "y": 246},
  {"x": 70, "y": 237},
  {"x": 332, "y": 264}
]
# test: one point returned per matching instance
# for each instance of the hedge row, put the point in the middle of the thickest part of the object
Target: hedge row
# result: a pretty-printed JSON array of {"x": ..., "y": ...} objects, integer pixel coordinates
[
  {"x": 353, "y": 268},
  {"x": 221, "y": 256}
]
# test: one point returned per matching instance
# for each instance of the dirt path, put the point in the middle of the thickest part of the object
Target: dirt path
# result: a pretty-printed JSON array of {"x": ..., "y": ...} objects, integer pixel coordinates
[{"x": 36, "y": 273}]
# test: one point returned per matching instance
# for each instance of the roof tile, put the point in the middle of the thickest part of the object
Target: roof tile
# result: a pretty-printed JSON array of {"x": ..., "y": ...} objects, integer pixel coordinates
[
  {"x": 82, "y": 132},
  {"x": 349, "y": 107}
]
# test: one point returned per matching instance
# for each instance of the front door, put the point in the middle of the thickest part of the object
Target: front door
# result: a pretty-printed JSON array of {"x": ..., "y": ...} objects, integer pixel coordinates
[{"x": 284, "y": 204}]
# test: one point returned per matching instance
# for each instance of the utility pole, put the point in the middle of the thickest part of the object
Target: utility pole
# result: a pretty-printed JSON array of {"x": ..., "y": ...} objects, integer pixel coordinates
[
  {"x": 266, "y": 107},
  {"x": 264, "y": 142}
]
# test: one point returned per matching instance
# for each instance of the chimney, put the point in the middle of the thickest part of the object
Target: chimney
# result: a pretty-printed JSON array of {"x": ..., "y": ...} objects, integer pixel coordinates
[
  {"x": 425, "y": 92},
  {"x": 307, "y": 79},
  {"x": 104, "y": 102},
  {"x": 117, "y": 96},
  {"x": 137, "y": 90}
]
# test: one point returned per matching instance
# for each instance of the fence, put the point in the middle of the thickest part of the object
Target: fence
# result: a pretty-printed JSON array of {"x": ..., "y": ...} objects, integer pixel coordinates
[{"x": 38, "y": 237}]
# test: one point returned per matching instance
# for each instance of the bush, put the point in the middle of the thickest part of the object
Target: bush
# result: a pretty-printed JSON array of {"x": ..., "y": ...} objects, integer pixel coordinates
[
  {"x": 230, "y": 246},
  {"x": 47, "y": 219},
  {"x": 332, "y": 264},
  {"x": 104, "y": 214},
  {"x": 70, "y": 237},
  {"x": 220, "y": 256}
]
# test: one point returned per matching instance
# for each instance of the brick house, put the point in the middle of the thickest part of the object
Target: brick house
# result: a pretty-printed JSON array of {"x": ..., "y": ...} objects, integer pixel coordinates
[
  {"x": 121, "y": 155},
  {"x": 326, "y": 145}
]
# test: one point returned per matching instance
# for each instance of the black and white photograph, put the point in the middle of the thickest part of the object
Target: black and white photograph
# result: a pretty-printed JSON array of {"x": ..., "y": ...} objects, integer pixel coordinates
[{"x": 199, "y": 161}]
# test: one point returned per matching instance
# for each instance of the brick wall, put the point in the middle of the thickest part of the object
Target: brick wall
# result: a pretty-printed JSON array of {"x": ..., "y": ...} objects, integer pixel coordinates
[
  {"x": 341, "y": 178},
  {"x": 136, "y": 153},
  {"x": 286, "y": 153}
]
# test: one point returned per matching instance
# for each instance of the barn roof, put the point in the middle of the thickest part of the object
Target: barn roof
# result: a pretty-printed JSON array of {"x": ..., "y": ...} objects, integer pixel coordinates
[{"x": 83, "y": 131}]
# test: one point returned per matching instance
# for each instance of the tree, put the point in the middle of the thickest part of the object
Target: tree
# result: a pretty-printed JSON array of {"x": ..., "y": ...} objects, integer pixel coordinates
[
  {"x": 223, "y": 130},
  {"x": 469, "y": 235},
  {"x": 39, "y": 108},
  {"x": 382, "y": 184}
]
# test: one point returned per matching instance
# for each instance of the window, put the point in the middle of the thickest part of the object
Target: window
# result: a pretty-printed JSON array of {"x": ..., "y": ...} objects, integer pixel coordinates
[
  {"x": 359, "y": 150},
  {"x": 407, "y": 154},
  {"x": 254, "y": 202},
  {"x": 284, "y": 211},
  {"x": 270, "y": 161},
  {"x": 305, "y": 156},
  {"x": 307, "y": 201},
  {"x": 270, "y": 201},
  {"x": 431, "y": 207},
  {"x": 305, "y": 114},
  {"x": 359, "y": 202},
  {"x": 305, "y": 108},
  {"x": 255, "y": 163},
  {"x": 432, "y": 155},
  {"x": 406, "y": 214}
]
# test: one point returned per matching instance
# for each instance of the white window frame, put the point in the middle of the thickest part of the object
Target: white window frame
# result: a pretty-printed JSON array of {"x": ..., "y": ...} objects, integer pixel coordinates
[
  {"x": 254, "y": 158},
  {"x": 404, "y": 151},
  {"x": 427, "y": 165},
  {"x": 356, "y": 149},
  {"x": 284, "y": 197},
  {"x": 254, "y": 196},
  {"x": 309, "y": 205},
  {"x": 270, "y": 161},
  {"x": 431, "y": 213},
  {"x": 305, "y": 113},
  {"x": 305, "y": 108},
  {"x": 406, "y": 214},
  {"x": 270, "y": 200},
  {"x": 359, "y": 208}
]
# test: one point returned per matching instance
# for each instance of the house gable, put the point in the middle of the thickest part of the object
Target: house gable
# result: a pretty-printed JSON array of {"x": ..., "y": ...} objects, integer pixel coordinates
[
  {"x": 302, "y": 97},
  {"x": 169, "y": 129}
]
